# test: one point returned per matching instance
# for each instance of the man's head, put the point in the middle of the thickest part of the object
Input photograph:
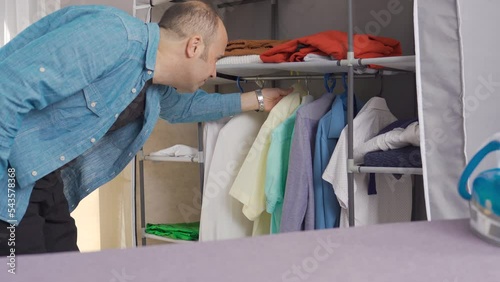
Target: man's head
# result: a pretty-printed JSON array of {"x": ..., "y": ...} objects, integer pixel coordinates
[{"x": 199, "y": 38}]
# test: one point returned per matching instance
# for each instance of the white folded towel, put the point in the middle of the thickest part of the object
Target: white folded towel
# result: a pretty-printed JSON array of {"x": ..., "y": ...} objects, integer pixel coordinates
[
  {"x": 177, "y": 151},
  {"x": 394, "y": 139},
  {"x": 235, "y": 60}
]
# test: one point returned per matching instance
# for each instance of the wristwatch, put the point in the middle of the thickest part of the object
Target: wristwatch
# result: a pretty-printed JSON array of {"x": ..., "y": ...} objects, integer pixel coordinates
[{"x": 260, "y": 99}]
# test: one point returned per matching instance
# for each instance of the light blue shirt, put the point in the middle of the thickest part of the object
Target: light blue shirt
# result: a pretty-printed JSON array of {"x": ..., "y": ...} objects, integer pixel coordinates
[
  {"x": 63, "y": 82},
  {"x": 327, "y": 208}
]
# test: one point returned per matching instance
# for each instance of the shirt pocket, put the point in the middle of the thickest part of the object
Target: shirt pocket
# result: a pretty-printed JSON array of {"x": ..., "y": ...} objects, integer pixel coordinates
[
  {"x": 94, "y": 101},
  {"x": 82, "y": 109}
]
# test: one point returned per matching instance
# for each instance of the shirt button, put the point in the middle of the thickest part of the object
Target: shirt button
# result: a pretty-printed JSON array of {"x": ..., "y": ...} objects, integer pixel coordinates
[
  {"x": 92, "y": 140},
  {"x": 150, "y": 72},
  {"x": 93, "y": 104},
  {"x": 134, "y": 90},
  {"x": 34, "y": 173},
  {"x": 116, "y": 115},
  {"x": 62, "y": 158},
  {"x": 42, "y": 69}
]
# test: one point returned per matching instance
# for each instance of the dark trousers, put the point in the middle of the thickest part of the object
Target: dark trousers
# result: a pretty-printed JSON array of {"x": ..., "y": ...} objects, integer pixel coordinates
[{"x": 47, "y": 225}]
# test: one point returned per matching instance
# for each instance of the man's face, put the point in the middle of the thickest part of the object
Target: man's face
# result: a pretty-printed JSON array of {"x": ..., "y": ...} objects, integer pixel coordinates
[{"x": 204, "y": 65}]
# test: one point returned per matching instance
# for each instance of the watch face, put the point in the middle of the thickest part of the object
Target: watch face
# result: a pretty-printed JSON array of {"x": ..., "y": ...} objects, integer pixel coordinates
[{"x": 260, "y": 99}]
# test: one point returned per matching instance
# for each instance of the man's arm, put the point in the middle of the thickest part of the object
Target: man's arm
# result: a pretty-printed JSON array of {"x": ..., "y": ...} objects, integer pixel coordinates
[
  {"x": 272, "y": 96},
  {"x": 201, "y": 106}
]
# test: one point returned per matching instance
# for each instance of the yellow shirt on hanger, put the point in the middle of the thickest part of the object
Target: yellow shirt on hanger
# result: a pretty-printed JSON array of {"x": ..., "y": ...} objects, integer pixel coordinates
[{"x": 248, "y": 187}]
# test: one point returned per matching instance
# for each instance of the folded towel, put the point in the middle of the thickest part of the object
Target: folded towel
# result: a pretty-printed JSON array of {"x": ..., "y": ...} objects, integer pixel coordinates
[
  {"x": 236, "y": 60},
  {"x": 400, "y": 136},
  {"x": 177, "y": 151},
  {"x": 250, "y": 47},
  {"x": 408, "y": 156},
  {"x": 334, "y": 44},
  {"x": 313, "y": 57},
  {"x": 179, "y": 231}
]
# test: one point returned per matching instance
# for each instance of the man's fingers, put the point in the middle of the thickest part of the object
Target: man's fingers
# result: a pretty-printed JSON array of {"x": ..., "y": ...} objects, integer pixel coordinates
[{"x": 284, "y": 92}]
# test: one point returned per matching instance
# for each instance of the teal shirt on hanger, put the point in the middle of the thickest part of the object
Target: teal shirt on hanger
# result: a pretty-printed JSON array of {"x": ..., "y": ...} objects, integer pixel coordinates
[{"x": 277, "y": 170}]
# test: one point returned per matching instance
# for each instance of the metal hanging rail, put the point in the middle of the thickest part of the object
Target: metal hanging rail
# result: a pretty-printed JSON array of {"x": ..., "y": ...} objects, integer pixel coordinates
[
  {"x": 301, "y": 77},
  {"x": 237, "y": 3},
  {"x": 391, "y": 170}
]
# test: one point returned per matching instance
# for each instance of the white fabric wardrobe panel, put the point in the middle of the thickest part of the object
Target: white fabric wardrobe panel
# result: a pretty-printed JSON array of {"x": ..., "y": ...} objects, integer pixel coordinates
[
  {"x": 480, "y": 41},
  {"x": 439, "y": 92}
]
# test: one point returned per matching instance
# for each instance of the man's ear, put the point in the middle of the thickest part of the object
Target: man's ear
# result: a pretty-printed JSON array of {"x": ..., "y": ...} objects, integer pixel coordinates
[{"x": 194, "y": 46}]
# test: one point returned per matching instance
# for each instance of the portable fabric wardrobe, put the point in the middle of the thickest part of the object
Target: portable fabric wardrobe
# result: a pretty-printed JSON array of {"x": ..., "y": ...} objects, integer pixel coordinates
[{"x": 458, "y": 91}]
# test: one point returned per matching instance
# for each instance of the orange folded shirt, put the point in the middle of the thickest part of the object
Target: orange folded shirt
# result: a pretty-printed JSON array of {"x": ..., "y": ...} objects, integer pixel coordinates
[
  {"x": 334, "y": 44},
  {"x": 250, "y": 47}
]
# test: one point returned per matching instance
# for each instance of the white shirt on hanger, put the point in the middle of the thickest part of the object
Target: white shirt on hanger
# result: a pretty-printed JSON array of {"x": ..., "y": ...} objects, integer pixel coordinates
[
  {"x": 393, "y": 201},
  {"x": 221, "y": 215},
  {"x": 210, "y": 133}
]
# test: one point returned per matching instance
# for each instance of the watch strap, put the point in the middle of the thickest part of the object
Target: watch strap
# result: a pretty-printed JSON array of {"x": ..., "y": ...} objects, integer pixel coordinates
[{"x": 260, "y": 99}]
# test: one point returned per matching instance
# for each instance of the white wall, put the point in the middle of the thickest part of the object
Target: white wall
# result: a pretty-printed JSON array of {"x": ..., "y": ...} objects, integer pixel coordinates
[
  {"x": 126, "y": 5},
  {"x": 87, "y": 219}
]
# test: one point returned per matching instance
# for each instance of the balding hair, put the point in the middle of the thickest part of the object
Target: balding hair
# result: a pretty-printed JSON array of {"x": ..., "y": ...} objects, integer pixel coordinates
[{"x": 191, "y": 18}]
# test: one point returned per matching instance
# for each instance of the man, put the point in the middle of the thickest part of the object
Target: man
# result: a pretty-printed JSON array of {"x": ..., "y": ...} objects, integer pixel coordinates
[{"x": 81, "y": 91}]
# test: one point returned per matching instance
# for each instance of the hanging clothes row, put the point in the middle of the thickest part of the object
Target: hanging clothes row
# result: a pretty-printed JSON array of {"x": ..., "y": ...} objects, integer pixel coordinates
[{"x": 286, "y": 171}]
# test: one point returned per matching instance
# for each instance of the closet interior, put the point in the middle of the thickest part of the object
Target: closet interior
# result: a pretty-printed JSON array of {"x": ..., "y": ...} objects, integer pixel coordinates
[{"x": 390, "y": 78}]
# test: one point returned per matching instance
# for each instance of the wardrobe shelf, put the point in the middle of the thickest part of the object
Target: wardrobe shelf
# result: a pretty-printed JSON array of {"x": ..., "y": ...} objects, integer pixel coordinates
[
  {"x": 399, "y": 63},
  {"x": 391, "y": 170},
  {"x": 165, "y": 239},
  {"x": 172, "y": 159}
]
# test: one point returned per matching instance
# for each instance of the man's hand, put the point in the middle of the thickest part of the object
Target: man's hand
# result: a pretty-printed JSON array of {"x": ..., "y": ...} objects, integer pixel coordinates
[{"x": 272, "y": 96}]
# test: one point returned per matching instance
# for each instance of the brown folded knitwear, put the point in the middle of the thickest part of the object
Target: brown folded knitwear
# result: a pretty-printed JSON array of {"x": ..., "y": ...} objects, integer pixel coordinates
[{"x": 250, "y": 47}]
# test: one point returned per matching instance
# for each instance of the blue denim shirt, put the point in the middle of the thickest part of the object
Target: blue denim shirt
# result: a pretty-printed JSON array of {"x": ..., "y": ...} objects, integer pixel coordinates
[{"x": 64, "y": 80}]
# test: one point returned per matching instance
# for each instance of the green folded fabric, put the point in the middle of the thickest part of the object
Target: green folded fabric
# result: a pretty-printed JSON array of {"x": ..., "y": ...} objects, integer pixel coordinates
[{"x": 179, "y": 231}]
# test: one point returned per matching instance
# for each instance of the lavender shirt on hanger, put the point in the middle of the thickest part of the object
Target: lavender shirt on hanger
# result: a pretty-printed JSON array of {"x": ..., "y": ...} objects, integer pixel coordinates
[{"x": 298, "y": 204}]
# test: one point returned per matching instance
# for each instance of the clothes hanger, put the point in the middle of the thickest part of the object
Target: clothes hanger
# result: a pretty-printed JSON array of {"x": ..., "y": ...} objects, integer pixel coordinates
[
  {"x": 344, "y": 82},
  {"x": 308, "y": 98},
  {"x": 260, "y": 83},
  {"x": 238, "y": 83},
  {"x": 381, "y": 84},
  {"x": 326, "y": 80}
]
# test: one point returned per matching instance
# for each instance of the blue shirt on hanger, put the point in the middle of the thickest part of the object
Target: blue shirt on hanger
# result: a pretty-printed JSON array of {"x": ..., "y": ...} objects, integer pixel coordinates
[
  {"x": 58, "y": 103},
  {"x": 327, "y": 208}
]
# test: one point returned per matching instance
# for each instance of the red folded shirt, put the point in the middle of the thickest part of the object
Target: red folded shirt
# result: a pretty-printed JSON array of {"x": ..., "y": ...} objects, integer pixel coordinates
[{"x": 334, "y": 44}]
